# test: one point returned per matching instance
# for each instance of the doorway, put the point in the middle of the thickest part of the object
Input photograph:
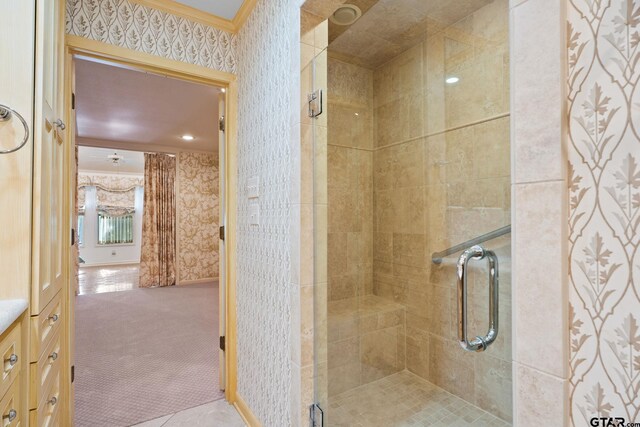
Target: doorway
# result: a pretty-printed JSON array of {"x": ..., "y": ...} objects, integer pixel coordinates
[{"x": 198, "y": 217}]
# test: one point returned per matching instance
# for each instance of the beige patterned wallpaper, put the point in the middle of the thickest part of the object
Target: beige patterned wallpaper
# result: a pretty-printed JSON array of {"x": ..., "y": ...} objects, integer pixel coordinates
[
  {"x": 198, "y": 216},
  {"x": 268, "y": 70},
  {"x": 111, "y": 190},
  {"x": 603, "y": 39},
  {"x": 127, "y": 24}
]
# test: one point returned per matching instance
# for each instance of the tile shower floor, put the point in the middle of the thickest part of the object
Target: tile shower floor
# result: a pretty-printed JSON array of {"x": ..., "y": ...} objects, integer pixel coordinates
[{"x": 404, "y": 399}]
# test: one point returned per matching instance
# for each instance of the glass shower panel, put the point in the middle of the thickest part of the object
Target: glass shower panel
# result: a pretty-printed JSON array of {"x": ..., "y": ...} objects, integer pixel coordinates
[{"x": 418, "y": 162}]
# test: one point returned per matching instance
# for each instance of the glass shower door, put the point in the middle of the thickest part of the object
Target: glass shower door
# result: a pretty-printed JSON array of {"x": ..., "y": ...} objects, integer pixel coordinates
[{"x": 418, "y": 172}]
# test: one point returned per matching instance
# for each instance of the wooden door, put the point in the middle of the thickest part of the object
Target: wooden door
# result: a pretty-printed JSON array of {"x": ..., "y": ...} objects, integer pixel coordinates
[{"x": 48, "y": 177}]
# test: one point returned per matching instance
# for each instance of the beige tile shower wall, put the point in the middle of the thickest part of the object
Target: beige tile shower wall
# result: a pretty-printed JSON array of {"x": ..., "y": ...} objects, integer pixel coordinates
[
  {"x": 539, "y": 186},
  {"x": 198, "y": 216},
  {"x": 350, "y": 180},
  {"x": 442, "y": 176},
  {"x": 365, "y": 334}
]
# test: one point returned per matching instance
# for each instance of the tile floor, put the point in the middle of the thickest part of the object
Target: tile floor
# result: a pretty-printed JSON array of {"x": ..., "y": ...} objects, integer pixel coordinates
[
  {"x": 404, "y": 399},
  {"x": 214, "y": 414},
  {"x": 96, "y": 280}
]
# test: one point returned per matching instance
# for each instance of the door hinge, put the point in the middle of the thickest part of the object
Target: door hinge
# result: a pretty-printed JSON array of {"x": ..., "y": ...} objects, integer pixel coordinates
[
  {"x": 222, "y": 232},
  {"x": 221, "y": 123},
  {"x": 73, "y": 372},
  {"x": 222, "y": 344},
  {"x": 73, "y": 237},
  {"x": 73, "y": 101},
  {"x": 315, "y": 103},
  {"x": 316, "y": 416}
]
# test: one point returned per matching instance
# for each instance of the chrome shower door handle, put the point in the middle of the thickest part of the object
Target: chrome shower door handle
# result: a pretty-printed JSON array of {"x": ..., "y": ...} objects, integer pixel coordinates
[{"x": 479, "y": 343}]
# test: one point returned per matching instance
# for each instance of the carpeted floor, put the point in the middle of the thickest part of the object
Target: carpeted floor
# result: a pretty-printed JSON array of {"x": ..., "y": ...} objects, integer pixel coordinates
[{"x": 145, "y": 353}]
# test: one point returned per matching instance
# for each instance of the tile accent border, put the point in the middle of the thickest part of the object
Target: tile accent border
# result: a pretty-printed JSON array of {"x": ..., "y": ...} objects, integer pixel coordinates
[{"x": 604, "y": 208}]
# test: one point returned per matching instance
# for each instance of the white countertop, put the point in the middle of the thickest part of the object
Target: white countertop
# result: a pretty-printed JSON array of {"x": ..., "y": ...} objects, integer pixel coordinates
[{"x": 10, "y": 310}]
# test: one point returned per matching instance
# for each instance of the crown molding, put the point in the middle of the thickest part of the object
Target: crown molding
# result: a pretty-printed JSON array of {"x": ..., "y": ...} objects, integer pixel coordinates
[
  {"x": 197, "y": 15},
  {"x": 243, "y": 13},
  {"x": 188, "y": 12}
]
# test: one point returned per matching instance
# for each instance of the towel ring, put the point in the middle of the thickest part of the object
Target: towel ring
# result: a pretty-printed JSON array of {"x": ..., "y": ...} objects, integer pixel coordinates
[{"x": 5, "y": 115}]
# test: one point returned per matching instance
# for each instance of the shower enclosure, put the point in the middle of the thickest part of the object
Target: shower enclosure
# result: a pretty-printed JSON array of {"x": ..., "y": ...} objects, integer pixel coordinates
[{"x": 417, "y": 228}]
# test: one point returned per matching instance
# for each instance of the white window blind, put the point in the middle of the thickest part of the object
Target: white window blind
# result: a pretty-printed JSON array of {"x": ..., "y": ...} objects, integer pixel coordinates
[{"x": 114, "y": 230}]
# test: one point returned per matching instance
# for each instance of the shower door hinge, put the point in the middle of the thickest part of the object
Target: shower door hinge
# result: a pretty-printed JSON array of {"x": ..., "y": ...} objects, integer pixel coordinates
[
  {"x": 315, "y": 103},
  {"x": 222, "y": 343},
  {"x": 316, "y": 416},
  {"x": 221, "y": 124}
]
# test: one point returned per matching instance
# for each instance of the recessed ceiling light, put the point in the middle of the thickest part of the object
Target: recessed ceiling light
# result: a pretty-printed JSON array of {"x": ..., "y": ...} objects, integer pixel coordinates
[
  {"x": 188, "y": 137},
  {"x": 452, "y": 80},
  {"x": 357, "y": 114},
  {"x": 346, "y": 14}
]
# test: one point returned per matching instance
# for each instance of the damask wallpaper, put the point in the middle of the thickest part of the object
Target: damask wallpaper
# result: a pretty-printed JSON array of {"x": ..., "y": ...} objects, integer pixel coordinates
[
  {"x": 127, "y": 24},
  {"x": 603, "y": 40},
  {"x": 267, "y": 48},
  {"x": 198, "y": 216}
]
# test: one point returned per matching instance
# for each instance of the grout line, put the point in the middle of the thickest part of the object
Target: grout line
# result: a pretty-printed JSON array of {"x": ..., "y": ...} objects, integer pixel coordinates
[
  {"x": 369, "y": 150},
  {"x": 451, "y": 129},
  {"x": 169, "y": 419},
  {"x": 543, "y": 181},
  {"x": 429, "y": 135}
]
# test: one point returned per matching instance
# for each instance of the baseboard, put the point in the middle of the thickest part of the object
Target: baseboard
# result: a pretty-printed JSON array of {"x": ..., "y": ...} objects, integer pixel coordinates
[
  {"x": 108, "y": 264},
  {"x": 245, "y": 412},
  {"x": 196, "y": 281}
]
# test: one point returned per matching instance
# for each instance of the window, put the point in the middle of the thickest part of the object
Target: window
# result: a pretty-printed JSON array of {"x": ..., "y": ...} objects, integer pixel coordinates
[
  {"x": 80, "y": 229},
  {"x": 115, "y": 230}
]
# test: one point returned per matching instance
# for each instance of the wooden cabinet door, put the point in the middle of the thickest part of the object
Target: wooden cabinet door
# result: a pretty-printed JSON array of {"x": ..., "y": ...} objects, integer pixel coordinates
[
  {"x": 48, "y": 185},
  {"x": 17, "y": 32}
]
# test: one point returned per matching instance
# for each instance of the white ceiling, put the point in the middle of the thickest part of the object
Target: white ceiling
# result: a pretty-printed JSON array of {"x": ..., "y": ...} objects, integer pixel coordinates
[
  {"x": 224, "y": 8},
  {"x": 95, "y": 159},
  {"x": 114, "y": 103}
]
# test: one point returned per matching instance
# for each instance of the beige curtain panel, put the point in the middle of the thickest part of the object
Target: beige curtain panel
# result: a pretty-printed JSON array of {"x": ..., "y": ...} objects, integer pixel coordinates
[{"x": 158, "y": 252}]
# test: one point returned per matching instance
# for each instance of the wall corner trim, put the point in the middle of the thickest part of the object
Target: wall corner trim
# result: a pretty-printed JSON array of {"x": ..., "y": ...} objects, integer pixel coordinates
[
  {"x": 243, "y": 14},
  {"x": 245, "y": 412}
]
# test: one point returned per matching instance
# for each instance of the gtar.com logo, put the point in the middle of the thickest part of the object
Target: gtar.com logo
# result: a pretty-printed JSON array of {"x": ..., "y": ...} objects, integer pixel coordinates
[{"x": 608, "y": 422}]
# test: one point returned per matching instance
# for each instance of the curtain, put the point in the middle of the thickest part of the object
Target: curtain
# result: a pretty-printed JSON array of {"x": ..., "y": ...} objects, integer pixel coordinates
[
  {"x": 158, "y": 252},
  {"x": 115, "y": 195}
]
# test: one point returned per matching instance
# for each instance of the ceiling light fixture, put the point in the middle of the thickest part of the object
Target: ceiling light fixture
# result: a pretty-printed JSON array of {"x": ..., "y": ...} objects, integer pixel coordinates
[
  {"x": 223, "y": 90},
  {"x": 346, "y": 14},
  {"x": 452, "y": 80},
  {"x": 114, "y": 158},
  {"x": 188, "y": 137}
]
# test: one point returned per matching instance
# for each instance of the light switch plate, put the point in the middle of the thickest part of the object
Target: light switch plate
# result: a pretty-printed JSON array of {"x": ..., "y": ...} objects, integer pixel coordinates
[
  {"x": 254, "y": 214},
  {"x": 253, "y": 187}
]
